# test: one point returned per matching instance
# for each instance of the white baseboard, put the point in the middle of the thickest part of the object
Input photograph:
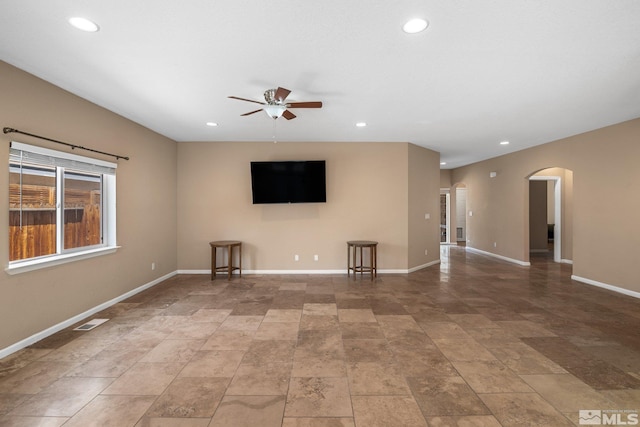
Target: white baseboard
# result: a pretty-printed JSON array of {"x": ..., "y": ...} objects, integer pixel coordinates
[
  {"x": 261, "y": 272},
  {"x": 606, "y": 286},
  {"x": 65, "y": 324},
  {"x": 566, "y": 261},
  {"x": 504, "y": 258},
  {"x": 297, "y": 271},
  {"x": 538, "y": 251},
  {"x": 285, "y": 272},
  {"x": 420, "y": 267},
  {"x": 199, "y": 272}
]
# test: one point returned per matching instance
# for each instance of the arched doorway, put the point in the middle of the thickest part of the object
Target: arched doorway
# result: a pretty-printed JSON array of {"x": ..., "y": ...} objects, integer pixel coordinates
[{"x": 551, "y": 214}]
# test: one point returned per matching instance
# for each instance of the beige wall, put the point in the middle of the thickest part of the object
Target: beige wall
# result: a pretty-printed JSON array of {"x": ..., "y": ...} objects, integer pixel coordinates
[
  {"x": 445, "y": 178},
  {"x": 424, "y": 198},
  {"x": 146, "y": 206},
  {"x": 367, "y": 198},
  {"x": 605, "y": 229}
]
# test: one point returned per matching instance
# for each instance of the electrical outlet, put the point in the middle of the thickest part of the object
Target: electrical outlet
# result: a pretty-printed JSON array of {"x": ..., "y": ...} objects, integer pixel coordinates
[
  {"x": 495, "y": 244},
  {"x": 315, "y": 257},
  {"x": 426, "y": 252},
  {"x": 427, "y": 216},
  {"x": 153, "y": 266},
  {"x": 296, "y": 258}
]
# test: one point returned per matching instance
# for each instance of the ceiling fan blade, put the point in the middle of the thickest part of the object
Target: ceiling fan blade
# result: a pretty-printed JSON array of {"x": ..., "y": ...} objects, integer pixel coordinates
[
  {"x": 281, "y": 94},
  {"x": 248, "y": 100},
  {"x": 288, "y": 115},
  {"x": 251, "y": 112},
  {"x": 317, "y": 104}
]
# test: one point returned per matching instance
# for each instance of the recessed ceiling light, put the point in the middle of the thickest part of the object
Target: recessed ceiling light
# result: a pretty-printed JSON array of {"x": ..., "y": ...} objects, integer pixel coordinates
[
  {"x": 361, "y": 124},
  {"x": 84, "y": 24},
  {"x": 415, "y": 26},
  {"x": 212, "y": 124},
  {"x": 504, "y": 143}
]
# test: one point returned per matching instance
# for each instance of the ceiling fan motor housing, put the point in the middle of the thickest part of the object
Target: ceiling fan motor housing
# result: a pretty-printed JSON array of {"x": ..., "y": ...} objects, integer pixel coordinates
[{"x": 270, "y": 97}]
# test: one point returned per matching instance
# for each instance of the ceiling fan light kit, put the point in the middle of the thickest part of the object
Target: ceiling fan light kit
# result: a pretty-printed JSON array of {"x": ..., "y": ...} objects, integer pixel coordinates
[
  {"x": 275, "y": 105},
  {"x": 274, "y": 111}
]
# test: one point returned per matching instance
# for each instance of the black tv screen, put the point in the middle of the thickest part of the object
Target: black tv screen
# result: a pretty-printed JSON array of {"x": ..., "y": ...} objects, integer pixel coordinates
[{"x": 288, "y": 182}]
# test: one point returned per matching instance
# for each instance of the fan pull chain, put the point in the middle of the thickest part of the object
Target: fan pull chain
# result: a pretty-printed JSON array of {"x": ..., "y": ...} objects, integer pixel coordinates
[{"x": 275, "y": 141}]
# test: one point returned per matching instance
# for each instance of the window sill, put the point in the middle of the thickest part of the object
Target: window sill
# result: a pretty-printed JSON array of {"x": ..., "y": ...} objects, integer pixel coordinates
[{"x": 37, "y": 264}]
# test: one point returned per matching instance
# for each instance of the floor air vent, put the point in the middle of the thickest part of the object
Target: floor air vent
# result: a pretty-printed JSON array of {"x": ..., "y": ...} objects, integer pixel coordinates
[{"x": 90, "y": 325}]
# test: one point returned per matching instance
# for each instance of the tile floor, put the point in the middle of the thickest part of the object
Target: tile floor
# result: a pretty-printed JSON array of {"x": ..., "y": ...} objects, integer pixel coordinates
[{"x": 472, "y": 342}]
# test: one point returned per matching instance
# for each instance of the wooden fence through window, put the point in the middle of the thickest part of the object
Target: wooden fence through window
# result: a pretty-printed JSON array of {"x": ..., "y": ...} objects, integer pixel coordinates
[{"x": 37, "y": 234}]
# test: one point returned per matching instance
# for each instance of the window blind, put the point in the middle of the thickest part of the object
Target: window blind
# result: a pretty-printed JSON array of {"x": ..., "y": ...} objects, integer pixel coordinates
[{"x": 25, "y": 153}]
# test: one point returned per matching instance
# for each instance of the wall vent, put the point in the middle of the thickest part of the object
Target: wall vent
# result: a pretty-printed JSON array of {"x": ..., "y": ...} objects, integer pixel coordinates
[{"x": 90, "y": 325}]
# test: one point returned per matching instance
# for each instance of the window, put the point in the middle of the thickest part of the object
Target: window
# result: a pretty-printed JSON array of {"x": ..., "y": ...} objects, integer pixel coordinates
[{"x": 61, "y": 206}]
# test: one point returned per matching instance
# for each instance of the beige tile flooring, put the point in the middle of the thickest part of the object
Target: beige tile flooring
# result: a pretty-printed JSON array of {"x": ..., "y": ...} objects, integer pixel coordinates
[{"x": 472, "y": 342}]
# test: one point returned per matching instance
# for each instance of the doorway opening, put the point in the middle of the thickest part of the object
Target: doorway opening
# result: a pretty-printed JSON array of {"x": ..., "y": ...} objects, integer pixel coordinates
[
  {"x": 445, "y": 215},
  {"x": 453, "y": 215},
  {"x": 460, "y": 237},
  {"x": 550, "y": 226},
  {"x": 545, "y": 215}
]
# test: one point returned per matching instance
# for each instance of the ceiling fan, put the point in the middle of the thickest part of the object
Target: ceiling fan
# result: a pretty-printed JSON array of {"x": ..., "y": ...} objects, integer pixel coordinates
[{"x": 276, "y": 106}]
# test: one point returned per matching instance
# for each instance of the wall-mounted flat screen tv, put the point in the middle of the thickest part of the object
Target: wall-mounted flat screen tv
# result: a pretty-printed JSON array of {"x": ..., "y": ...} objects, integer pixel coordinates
[{"x": 289, "y": 182}]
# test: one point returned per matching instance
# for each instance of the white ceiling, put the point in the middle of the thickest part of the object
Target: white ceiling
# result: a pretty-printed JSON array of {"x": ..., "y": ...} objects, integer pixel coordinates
[{"x": 484, "y": 71}]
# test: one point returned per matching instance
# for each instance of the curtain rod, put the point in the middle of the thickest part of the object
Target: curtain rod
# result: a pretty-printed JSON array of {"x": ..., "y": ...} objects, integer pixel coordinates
[{"x": 73, "y": 146}]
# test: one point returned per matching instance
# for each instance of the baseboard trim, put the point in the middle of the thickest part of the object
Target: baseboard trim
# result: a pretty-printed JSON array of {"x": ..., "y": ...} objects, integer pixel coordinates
[
  {"x": 287, "y": 272},
  {"x": 504, "y": 258},
  {"x": 199, "y": 272},
  {"x": 566, "y": 261},
  {"x": 75, "y": 319},
  {"x": 420, "y": 267},
  {"x": 265, "y": 272},
  {"x": 606, "y": 286},
  {"x": 284, "y": 272}
]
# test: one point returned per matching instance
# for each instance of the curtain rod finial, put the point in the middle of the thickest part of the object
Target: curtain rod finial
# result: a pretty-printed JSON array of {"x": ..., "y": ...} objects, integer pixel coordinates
[{"x": 8, "y": 130}]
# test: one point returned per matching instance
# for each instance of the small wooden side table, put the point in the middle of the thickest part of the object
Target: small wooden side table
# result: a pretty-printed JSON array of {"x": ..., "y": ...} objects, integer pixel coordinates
[
  {"x": 229, "y": 244},
  {"x": 354, "y": 245}
]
